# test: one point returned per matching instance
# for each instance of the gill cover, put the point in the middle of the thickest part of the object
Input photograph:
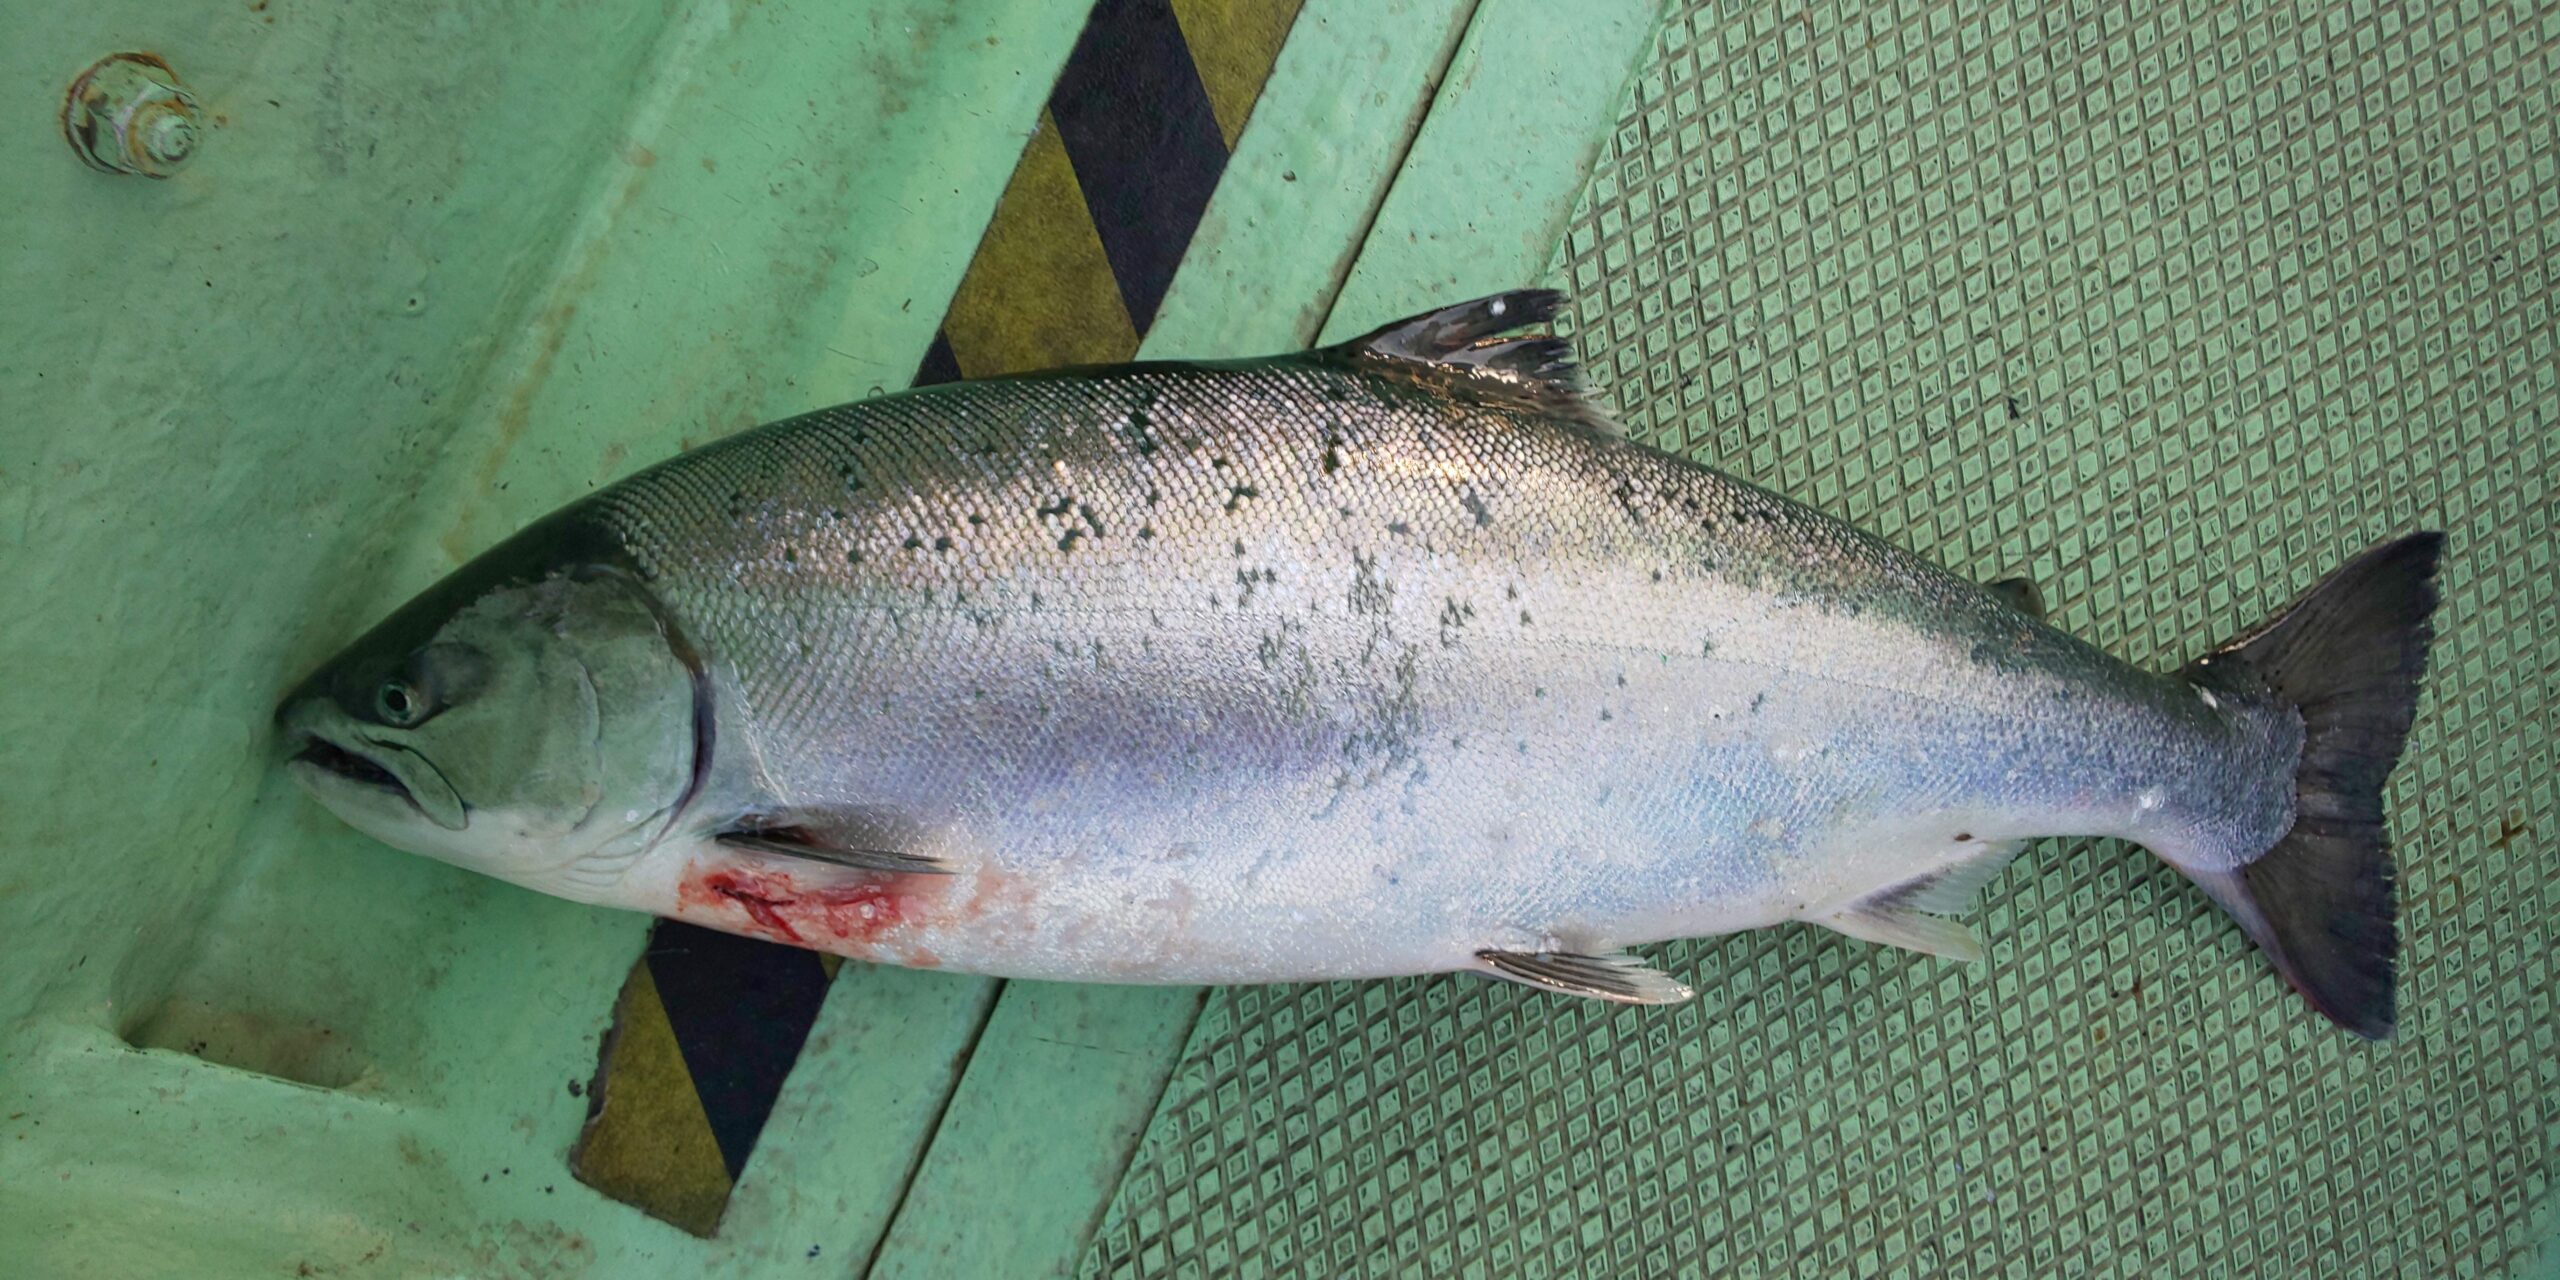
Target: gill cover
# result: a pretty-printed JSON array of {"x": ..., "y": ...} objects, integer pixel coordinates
[{"x": 540, "y": 728}]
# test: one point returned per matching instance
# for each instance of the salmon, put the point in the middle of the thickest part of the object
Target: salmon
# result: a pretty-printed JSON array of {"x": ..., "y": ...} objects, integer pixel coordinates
[{"x": 1393, "y": 657}]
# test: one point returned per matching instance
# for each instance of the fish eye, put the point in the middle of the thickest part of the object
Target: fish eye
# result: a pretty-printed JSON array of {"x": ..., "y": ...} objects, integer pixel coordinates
[{"x": 398, "y": 703}]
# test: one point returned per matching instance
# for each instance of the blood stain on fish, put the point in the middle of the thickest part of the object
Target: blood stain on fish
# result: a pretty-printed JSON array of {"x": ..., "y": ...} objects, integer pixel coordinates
[{"x": 839, "y": 917}]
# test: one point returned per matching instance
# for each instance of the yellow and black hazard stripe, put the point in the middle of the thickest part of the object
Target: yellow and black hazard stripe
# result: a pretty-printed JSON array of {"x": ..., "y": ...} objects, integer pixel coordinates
[
  {"x": 1072, "y": 269},
  {"x": 704, "y": 1033},
  {"x": 1101, "y": 208}
]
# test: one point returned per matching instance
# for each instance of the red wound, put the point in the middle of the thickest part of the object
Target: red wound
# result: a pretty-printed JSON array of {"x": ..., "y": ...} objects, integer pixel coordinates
[{"x": 849, "y": 918}]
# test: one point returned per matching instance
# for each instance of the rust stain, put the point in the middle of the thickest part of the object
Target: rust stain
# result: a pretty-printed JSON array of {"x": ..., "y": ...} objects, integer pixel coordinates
[
  {"x": 2509, "y": 827},
  {"x": 610, "y": 464},
  {"x": 533, "y": 1251},
  {"x": 554, "y": 330},
  {"x": 79, "y": 128},
  {"x": 551, "y": 329},
  {"x": 253, "y": 1040}
]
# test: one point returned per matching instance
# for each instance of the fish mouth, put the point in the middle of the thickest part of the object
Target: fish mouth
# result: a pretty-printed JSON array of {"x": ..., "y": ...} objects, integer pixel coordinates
[{"x": 353, "y": 766}]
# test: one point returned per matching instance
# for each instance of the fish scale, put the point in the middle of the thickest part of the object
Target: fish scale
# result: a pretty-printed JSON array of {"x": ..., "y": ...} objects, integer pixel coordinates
[{"x": 1382, "y": 659}]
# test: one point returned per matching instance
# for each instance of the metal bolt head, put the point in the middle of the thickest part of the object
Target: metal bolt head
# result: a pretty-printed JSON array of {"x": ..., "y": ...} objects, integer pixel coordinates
[
  {"x": 169, "y": 138},
  {"x": 128, "y": 113}
]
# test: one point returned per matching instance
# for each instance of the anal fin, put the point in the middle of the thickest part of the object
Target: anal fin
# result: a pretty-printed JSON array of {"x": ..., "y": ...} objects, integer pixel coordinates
[
  {"x": 1912, "y": 915},
  {"x": 1903, "y": 927},
  {"x": 1953, "y": 888},
  {"x": 1616, "y": 976}
]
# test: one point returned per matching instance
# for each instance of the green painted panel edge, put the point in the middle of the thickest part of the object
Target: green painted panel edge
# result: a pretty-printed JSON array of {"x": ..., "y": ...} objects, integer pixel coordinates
[
  {"x": 861, "y": 1108},
  {"x": 1482, "y": 202},
  {"x": 1051, "y": 1107}
]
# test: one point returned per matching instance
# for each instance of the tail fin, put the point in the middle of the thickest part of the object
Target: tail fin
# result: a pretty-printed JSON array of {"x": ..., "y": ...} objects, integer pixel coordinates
[{"x": 2347, "y": 656}]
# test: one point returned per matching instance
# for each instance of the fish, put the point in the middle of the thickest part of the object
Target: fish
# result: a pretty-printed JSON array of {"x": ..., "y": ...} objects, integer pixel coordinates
[{"x": 1392, "y": 657}]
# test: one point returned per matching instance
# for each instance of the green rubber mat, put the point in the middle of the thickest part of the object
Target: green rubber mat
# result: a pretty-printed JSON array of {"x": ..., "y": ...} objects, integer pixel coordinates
[{"x": 2172, "y": 307}]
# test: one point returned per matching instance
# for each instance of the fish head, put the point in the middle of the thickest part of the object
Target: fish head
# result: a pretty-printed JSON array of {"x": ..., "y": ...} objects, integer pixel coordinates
[{"x": 541, "y": 729}]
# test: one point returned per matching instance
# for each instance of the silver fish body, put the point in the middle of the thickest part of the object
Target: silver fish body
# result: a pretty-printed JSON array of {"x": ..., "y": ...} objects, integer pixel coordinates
[{"x": 1380, "y": 660}]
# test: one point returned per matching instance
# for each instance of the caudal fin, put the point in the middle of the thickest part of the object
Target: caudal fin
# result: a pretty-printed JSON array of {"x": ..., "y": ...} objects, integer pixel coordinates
[{"x": 2348, "y": 656}]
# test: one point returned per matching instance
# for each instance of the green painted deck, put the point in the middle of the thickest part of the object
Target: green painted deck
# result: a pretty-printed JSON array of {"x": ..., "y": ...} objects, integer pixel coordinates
[{"x": 2168, "y": 306}]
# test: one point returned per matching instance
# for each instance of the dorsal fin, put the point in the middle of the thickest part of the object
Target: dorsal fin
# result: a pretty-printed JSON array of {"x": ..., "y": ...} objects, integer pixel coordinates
[
  {"x": 1465, "y": 339},
  {"x": 1446, "y": 335}
]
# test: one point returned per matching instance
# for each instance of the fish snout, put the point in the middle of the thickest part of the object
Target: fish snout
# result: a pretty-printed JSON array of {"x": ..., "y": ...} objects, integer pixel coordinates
[{"x": 333, "y": 757}]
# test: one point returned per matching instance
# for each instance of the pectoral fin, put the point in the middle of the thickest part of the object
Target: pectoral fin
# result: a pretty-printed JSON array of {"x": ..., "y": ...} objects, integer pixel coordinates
[
  {"x": 868, "y": 839},
  {"x": 1616, "y": 976}
]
